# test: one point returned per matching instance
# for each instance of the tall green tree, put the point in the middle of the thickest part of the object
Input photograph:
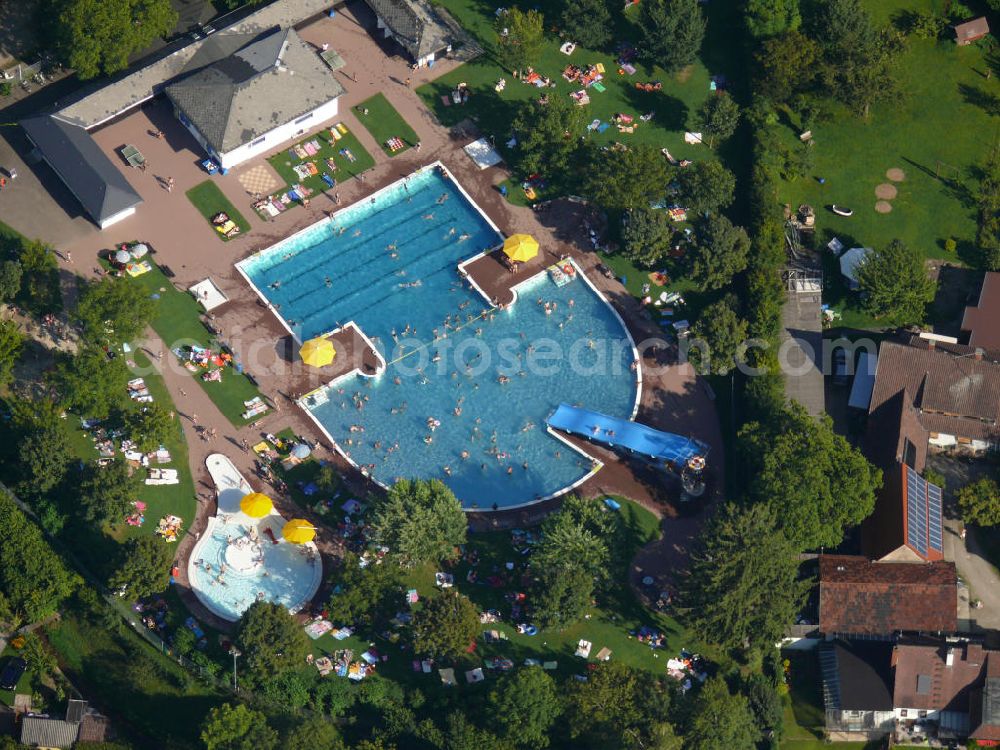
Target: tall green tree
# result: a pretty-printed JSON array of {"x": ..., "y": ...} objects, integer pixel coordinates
[
  {"x": 979, "y": 502},
  {"x": 723, "y": 333},
  {"x": 567, "y": 544},
  {"x": 363, "y": 596},
  {"x": 620, "y": 179},
  {"x": 462, "y": 734},
  {"x": 236, "y": 727},
  {"x": 315, "y": 733},
  {"x": 524, "y": 706},
  {"x": 586, "y": 22},
  {"x": 768, "y": 18},
  {"x": 706, "y": 186},
  {"x": 548, "y": 135},
  {"x": 10, "y": 280},
  {"x": 562, "y": 596},
  {"x": 420, "y": 521},
  {"x": 721, "y": 251},
  {"x": 113, "y": 310},
  {"x": 718, "y": 118},
  {"x": 144, "y": 567},
  {"x": 90, "y": 383},
  {"x": 445, "y": 625},
  {"x": 648, "y": 236},
  {"x": 42, "y": 447},
  {"x": 149, "y": 426},
  {"x": 271, "y": 641},
  {"x": 39, "y": 290},
  {"x": 619, "y": 707},
  {"x": 821, "y": 483},
  {"x": 896, "y": 284},
  {"x": 11, "y": 342},
  {"x": 671, "y": 32},
  {"x": 99, "y": 36},
  {"x": 33, "y": 579},
  {"x": 744, "y": 588},
  {"x": 107, "y": 492},
  {"x": 519, "y": 38},
  {"x": 721, "y": 720},
  {"x": 786, "y": 66}
]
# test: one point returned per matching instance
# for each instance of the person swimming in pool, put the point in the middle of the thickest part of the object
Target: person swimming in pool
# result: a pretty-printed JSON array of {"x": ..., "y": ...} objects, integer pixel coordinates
[
  {"x": 357, "y": 233},
  {"x": 428, "y": 217},
  {"x": 328, "y": 281},
  {"x": 464, "y": 237},
  {"x": 442, "y": 198},
  {"x": 275, "y": 285}
]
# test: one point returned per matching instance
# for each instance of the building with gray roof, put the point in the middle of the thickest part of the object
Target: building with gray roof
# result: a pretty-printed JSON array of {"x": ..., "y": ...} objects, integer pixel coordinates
[
  {"x": 259, "y": 96},
  {"x": 417, "y": 26}
]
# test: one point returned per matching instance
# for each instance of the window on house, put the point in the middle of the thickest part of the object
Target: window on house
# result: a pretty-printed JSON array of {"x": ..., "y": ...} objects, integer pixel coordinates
[
  {"x": 965, "y": 441},
  {"x": 304, "y": 118},
  {"x": 902, "y": 713},
  {"x": 922, "y": 714}
]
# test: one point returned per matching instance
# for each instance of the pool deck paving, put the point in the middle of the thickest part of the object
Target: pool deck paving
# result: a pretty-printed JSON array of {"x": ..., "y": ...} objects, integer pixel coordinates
[{"x": 672, "y": 397}]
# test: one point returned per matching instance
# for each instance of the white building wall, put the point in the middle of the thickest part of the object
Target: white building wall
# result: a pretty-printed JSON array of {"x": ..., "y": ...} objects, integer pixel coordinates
[
  {"x": 274, "y": 138},
  {"x": 115, "y": 218}
]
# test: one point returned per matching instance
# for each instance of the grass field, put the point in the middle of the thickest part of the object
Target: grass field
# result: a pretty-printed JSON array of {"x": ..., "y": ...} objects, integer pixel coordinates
[
  {"x": 177, "y": 320},
  {"x": 607, "y": 624},
  {"x": 937, "y": 132},
  {"x": 804, "y": 714},
  {"x": 209, "y": 200},
  {"x": 384, "y": 122},
  {"x": 330, "y": 148},
  {"x": 23, "y": 685}
]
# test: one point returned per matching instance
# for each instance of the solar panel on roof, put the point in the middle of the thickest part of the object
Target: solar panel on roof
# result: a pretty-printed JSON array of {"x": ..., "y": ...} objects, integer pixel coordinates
[{"x": 923, "y": 514}]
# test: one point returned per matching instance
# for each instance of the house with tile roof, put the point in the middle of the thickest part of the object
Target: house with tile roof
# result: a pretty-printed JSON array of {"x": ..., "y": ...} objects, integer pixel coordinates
[
  {"x": 257, "y": 98},
  {"x": 862, "y": 598},
  {"x": 417, "y": 26},
  {"x": 982, "y": 320},
  {"x": 857, "y": 687}
]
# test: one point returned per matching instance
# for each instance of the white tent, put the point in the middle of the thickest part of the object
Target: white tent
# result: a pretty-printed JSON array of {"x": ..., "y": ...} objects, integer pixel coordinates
[
  {"x": 483, "y": 154},
  {"x": 849, "y": 263}
]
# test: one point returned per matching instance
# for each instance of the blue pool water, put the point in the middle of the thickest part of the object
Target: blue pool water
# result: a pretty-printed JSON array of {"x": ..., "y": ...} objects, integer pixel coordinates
[{"x": 447, "y": 349}]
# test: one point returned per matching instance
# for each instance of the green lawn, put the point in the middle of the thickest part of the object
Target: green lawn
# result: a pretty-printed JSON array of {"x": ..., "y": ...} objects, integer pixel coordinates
[
  {"x": 384, "y": 122},
  {"x": 936, "y": 132},
  {"x": 23, "y": 685},
  {"x": 330, "y": 148},
  {"x": 608, "y": 623},
  {"x": 804, "y": 714},
  {"x": 141, "y": 690},
  {"x": 177, "y": 320},
  {"x": 673, "y": 107},
  {"x": 209, "y": 200}
]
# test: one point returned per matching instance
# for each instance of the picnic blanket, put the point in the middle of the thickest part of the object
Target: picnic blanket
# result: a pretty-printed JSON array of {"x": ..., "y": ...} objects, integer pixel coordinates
[{"x": 316, "y": 629}]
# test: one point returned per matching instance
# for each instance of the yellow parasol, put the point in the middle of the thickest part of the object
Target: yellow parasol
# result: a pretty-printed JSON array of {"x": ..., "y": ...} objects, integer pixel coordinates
[
  {"x": 299, "y": 531},
  {"x": 520, "y": 247},
  {"x": 317, "y": 352},
  {"x": 256, "y": 505}
]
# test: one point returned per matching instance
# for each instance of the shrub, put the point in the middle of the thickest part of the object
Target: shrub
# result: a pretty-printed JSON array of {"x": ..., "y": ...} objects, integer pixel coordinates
[{"x": 950, "y": 245}]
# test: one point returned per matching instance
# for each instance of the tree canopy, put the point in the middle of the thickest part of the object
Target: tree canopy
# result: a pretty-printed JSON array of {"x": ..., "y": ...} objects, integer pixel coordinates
[
  {"x": 144, "y": 568},
  {"x": 744, "y": 587},
  {"x": 721, "y": 250},
  {"x": 786, "y": 65},
  {"x": 445, "y": 625},
  {"x": 723, "y": 332},
  {"x": 718, "y": 118},
  {"x": 84, "y": 382},
  {"x": 647, "y": 235},
  {"x": 821, "y": 483},
  {"x": 420, "y": 521},
  {"x": 149, "y": 426},
  {"x": 10, "y": 280},
  {"x": 768, "y": 18},
  {"x": 98, "y": 36},
  {"x": 706, "y": 186},
  {"x": 625, "y": 178},
  {"x": 107, "y": 492},
  {"x": 236, "y": 727},
  {"x": 11, "y": 342},
  {"x": 519, "y": 37},
  {"x": 316, "y": 733},
  {"x": 271, "y": 641},
  {"x": 721, "y": 720},
  {"x": 979, "y": 502},
  {"x": 548, "y": 135},
  {"x": 113, "y": 310},
  {"x": 42, "y": 447},
  {"x": 671, "y": 32},
  {"x": 896, "y": 284},
  {"x": 586, "y": 22},
  {"x": 524, "y": 706},
  {"x": 364, "y": 595}
]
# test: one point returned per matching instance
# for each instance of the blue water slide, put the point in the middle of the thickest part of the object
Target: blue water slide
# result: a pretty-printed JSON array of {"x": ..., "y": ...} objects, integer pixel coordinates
[{"x": 623, "y": 433}]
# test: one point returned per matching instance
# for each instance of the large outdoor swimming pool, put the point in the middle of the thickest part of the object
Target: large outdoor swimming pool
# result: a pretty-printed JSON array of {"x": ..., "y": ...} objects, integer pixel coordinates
[{"x": 467, "y": 388}]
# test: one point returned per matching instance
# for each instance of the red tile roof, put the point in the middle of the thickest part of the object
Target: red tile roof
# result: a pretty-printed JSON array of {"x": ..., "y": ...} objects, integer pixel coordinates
[
  {"x": 982, "y": 320},
  {"x": 923, "y": 679},
  {"x": 858, "y": 596},
  {"x": 971, "y": 30}
]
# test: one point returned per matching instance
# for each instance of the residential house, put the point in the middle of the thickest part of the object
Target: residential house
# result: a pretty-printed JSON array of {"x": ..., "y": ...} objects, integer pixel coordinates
[
  {"x": 257, "y": 98},
  {"x": 857, "y": 687},
  {"x": 971, "y": 31},
  {"x": 862, "y": 598},
  {"x": 81, "y": 724},
  {"x": 955, "y": 390},
  {"x": 934, "y": 682},
  {"x": 418, "y": 27},
  {"x": 982, "y": 320}
]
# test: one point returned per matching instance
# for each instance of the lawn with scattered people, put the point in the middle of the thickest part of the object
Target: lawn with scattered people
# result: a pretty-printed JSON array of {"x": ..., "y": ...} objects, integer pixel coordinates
[
  {"x": 334, "y": 152},
  {"x": 382, "y": 120},
  {"x": 210, "y": 202},
  {"x": 177, "y": 320},
  {"x": 930, "y": 198}
]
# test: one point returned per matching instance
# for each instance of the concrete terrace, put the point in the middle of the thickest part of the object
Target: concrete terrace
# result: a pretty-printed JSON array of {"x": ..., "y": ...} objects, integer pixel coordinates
[{"x": 673, "y": 398}]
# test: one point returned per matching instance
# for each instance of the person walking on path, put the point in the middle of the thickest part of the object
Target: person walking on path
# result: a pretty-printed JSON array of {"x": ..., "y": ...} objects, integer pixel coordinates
[
  {"x": 245, "y": 445},
  {"x": 170, "y": 184},
  {"x": 194, "y": 418},
  {"x": 407, "y": 83}
]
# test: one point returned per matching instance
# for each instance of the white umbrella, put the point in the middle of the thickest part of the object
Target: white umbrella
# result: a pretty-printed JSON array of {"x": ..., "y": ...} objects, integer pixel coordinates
[
  {"x": 139, "y": 250},
  {"x": 123, "y": 256}
]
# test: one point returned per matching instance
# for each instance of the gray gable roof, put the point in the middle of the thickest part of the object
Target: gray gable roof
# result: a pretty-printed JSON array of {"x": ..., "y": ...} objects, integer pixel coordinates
[
  {"x": 39, "y": 732},
  {"x": 80, "y": 163},
  {"x": 268, "y": 83},
  {"x": 414, "y": 24}
]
